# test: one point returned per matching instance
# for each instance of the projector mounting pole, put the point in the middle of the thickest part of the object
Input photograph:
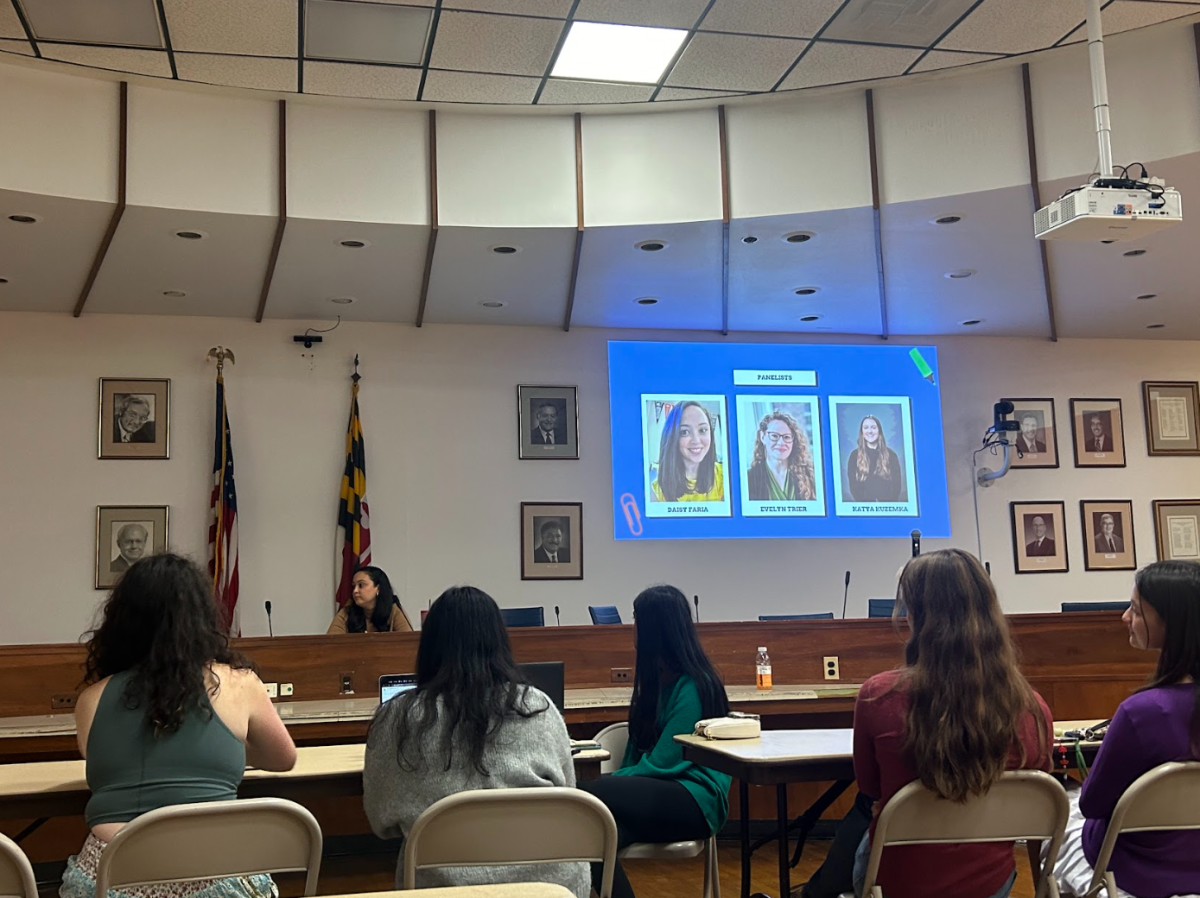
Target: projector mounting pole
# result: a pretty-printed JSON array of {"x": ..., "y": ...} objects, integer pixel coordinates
[{"x": 1095, "y": 36}]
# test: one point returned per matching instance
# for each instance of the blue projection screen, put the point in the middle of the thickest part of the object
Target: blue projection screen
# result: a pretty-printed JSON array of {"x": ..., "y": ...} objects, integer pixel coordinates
[{"x": 743, "y": 440}]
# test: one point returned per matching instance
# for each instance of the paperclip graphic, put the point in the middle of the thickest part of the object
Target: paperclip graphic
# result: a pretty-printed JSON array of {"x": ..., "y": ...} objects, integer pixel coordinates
[{"x": 633, "y": 517}]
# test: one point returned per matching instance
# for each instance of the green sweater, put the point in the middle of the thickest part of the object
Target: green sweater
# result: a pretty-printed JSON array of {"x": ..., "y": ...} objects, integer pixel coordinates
[{"x": 677, "y": 716}]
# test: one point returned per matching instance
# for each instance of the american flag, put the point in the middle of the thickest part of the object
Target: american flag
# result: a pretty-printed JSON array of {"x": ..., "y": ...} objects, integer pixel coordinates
[
  {"x": 223, "y": 523},
  {"x": 354, "y": 520}
]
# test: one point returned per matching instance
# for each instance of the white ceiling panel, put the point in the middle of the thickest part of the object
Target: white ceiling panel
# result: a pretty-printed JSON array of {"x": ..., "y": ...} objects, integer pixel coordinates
[
  {"x": 19, "y": 47},
  {"x": 685, "y": 277},
  {"x": 1013, "y": 26},
  {"x": 913, "y": 24},
  {"x": 1096, "y": 286},
  {"x": 132, "y": 23},
  {"x": 944, "y": 59},
  {"x": 690, "y": 93},
  {"x": 10, "y": 24},
  {"x": 370, "y": 82},
  {"x": 552, "y": 8},
  {"x": 734, "y": 62},
  {"x": 222, "y": 274},
  {"x": 238, "y": 71},
  {"x": 532, "y": 283},
  {"x": 383, "y": 277},
  {"x": 828, "y": 63},
  {"x": 660, "y": 14},
  {"x": 994, "y": 239},
  {"x": 770, "y": 16},
  {"x": 46, "y": 263},
  {"x": 1125, "y": 15},
  {"x": 505, "y": 45},
  {"x": 117, "y": 59},
  {"x": 251, "y": 27},
  {"x": 839, "y": 261},
  {"x": 567, "y": 93},
  {"x": 470, "y": 87}
]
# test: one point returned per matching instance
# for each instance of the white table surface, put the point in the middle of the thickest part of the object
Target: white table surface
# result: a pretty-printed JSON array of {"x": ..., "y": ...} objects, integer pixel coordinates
[{"x": 782, "y": 746}]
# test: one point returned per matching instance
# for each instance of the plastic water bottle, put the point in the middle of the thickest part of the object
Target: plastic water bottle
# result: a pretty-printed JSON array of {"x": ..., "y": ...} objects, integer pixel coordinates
[{"x": 762, "y": 664}]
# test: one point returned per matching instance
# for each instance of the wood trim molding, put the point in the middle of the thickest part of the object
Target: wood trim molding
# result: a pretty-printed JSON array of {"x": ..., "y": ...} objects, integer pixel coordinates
[
  {"x": 726, "y": 215},
  {"x": 431, "y": 246},
  {"x": 873, "y": 151},
  {"x": 119, "y": 211},
  {"x": 1036, "y": 188},
  {"x": 281, "y": 225},
  {"x": 578, "y": 222}
]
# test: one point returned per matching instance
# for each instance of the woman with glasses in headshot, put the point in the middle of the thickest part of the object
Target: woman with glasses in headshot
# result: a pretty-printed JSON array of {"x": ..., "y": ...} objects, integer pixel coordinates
[
  {"x": 782, "y": 467},
  {"x": 688, "y": 470}
]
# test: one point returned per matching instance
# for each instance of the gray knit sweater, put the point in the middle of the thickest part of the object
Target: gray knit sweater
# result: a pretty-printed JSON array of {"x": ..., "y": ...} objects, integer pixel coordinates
[{"x": 532, "y": 751}]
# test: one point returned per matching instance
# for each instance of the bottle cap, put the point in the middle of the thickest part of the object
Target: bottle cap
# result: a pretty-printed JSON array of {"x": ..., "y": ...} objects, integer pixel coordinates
[{"x": 762, "y": 648}]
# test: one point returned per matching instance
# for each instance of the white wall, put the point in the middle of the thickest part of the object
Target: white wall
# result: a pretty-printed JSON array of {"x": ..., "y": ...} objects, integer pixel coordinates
[{"x": 444, "y": 480}]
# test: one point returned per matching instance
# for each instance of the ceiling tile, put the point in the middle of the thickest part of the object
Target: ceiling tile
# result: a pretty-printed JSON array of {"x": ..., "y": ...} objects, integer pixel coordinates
[
  {"x": 1013, "y": 26},
  {"x": 941, "y": 59},
  {"x": 558, "y": 9},
  {"x": 21, "y": 47},
  {"x": 365, "y": 32},
  {"x": 371, "y": 82},
  {"x": 118, "y": 59},
  {"x": 507, "y": 45},
  {"x": 688, "y": 93},
  {"x": 10, "y": 25},
  {"x": 915, "y": 24},
  {"x": 734, "y": 62},
  {"x": 237, "y": 71},
  {"x": 785, "y": 18},
  {"x": 1126, "y": 15},
  {"x": 661, "y": 14},
  {"x": 827, "y": 63},
  {"x": 249, "y": 27},
  {"x": 132, "y": 23},
  {"x": 559, "y": 91},
  {"x": 470, "y": 87}
]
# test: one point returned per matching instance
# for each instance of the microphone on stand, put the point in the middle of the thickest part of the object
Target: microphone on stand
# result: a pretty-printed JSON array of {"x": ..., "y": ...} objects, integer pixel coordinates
[
  {"x": 696, "y": 600},
  {"x": 916, "y": 543},
  {"x": 557, "y": 620},
  {"x": 845, "y": 595},
  {"x": 987, "y": 566},
  {"x": 270, "y": 629}
]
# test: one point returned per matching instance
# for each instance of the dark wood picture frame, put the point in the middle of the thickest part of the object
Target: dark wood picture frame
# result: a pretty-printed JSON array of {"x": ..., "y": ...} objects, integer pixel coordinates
[
  {"x": 1026, "y": 561},
  {"x": 1186, "y": 400},
  {"x": 1082, "y": 411},
  {"x": 1096, "y": 558},
  {"x": 1170, "y": 538},
  {"x": 534, "y": 563},
  {"x": 1044, "y": 407},
  {"x": 565, "y": 401},
  {"x": 154, "y": 521},
  {"x": 150, "y": 433}
]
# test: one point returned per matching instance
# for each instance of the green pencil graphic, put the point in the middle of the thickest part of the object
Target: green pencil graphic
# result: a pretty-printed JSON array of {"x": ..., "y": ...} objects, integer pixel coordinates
[{"x": 922, "y": 365}]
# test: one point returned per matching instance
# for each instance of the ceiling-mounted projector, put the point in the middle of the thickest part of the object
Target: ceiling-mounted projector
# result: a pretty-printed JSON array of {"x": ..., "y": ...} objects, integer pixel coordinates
[{"x": 1108, "y": 213}]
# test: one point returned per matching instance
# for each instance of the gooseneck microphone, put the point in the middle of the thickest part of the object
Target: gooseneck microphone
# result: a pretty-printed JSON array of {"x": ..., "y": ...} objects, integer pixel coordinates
[
  {"x": 845, "y": 595},
  {"x": 916, "y": 543},
  {"x": 270, "y": 629},
  {"x": 696, "y": 601},
  {"x": 557, "y": 619}
]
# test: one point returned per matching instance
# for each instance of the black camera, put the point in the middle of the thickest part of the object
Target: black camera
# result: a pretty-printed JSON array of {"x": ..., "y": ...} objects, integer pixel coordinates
[{"x": 1000, "y": 412}]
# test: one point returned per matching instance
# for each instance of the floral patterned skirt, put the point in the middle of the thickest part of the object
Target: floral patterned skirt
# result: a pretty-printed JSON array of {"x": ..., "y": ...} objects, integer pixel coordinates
[{"x": 79, "y": 881}]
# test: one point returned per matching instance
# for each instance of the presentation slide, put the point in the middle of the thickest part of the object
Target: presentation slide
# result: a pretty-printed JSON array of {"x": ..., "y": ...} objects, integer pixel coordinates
[{"x": 745, "y": 440}]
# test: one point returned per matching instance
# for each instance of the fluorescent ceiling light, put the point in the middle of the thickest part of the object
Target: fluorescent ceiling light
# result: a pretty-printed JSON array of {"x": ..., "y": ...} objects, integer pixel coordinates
[{"x": 595, "y": 51}]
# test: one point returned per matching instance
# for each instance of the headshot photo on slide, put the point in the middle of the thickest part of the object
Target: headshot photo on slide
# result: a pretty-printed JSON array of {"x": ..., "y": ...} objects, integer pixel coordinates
[
  {"x": 686, "y": 448},
  {"x": 872, "y": 443},
  {"x": 781, "y": 456}
]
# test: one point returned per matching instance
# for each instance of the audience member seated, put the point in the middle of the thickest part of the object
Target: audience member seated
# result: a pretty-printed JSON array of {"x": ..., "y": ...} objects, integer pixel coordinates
[
  {"x": 374, "y": 609},
  {"x": 1160, "y": 723},
  {"x": 657, "y": 796},
  {"x": 956, "y": 715},
  {"x": 172, "y": 716},
  {"x": 471, "y": 723}
]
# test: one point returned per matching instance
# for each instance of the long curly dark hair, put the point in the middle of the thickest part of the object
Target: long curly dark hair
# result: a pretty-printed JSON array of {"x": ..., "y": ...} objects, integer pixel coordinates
[
  {"x": 672, "y": 478},
  {"x": 800, "y": 462},
  {"x": 161, "y": 621},
  {"x": 466, "y": 680}
]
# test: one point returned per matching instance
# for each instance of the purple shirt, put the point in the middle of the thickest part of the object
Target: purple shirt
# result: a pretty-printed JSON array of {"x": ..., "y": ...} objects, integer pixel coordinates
[{"x": 1149, "y": 728}]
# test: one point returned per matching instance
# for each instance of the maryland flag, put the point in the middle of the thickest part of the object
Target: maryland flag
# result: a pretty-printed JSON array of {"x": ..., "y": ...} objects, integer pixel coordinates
[{"x": 354, "y": 520}]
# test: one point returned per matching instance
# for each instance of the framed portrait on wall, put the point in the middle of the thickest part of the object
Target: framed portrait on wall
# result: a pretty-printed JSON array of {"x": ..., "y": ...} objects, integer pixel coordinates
[
  {"x": 1036, "y": 443},
  {"x": 1107, "y": 535},
  {"x": 124, "y": 534},
  {"x": 1177, "y": 529},
  {"x": 547, "y": 422},
  {"x": 1098, "y": 433},
  {"x": 135, "y": 418},
  {"x": 1172, "y": 411},
  {"x": 1039, "y": 537},
  {"x": 551, "y": 540}
]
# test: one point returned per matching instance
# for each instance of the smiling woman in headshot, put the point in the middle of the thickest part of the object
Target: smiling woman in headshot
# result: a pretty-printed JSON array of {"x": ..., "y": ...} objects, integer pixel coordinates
[
  {"x": 782, "y": 468},
  {"x": 688, "y": 470},
  {"x": 374, "y": 608},
  {"x": 873, "y": 469}
]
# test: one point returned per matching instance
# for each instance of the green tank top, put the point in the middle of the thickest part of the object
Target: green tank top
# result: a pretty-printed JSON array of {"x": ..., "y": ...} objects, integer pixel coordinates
[{"x": 131, "y": 771}]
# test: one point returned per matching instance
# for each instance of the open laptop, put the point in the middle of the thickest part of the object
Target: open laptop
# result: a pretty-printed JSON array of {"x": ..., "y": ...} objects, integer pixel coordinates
[
  {"x": 391, "y": 685},
  {"x": 548, "y": 676}
]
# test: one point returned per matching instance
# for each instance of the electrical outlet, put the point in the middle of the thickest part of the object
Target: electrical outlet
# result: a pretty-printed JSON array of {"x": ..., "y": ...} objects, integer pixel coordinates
[
  {"x": 63, "y": 701},
  {"x": 346, "y": 682},
  {"x": 622, "y": 674},
  {"x": 272, "y": 690},
  {"x": 285, "y": 689},
  {"x": 832, "y": 670}
]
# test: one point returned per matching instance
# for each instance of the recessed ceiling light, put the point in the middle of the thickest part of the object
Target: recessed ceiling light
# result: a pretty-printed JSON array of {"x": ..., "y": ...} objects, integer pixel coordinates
[
  {"x": 493, "y": 304},
  {"x": 808, "y": 319},
  {"x": 3, "y": 280},
  {"x": 1154, "y": 327},
  {"x": 948, "y": 219},
  {"x": 651, "y": 246},
  {"x": 505, "y": 250},
  {"x": 750, "y": 239},
  {"x": 191, "y": 235},
  {"x": 805, "y": 291},
  {"x": 971, "y": 322},
  {"x": 353, "y": 244},
  {"x": 1147, "y": 295},
  {"x": 23, "y": 219},
  {"x": 598, "y": 51},
  {"x": 341, "y": 300},
  {"x": 799, "y": 236},
  {"x": 1106, "y": 242},
  {"x": 646, "y": 301},
  {"x": 175, "y": 294},
  {"x": 1130, "y": 253},
  {"x": 959, "y": 274}
]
